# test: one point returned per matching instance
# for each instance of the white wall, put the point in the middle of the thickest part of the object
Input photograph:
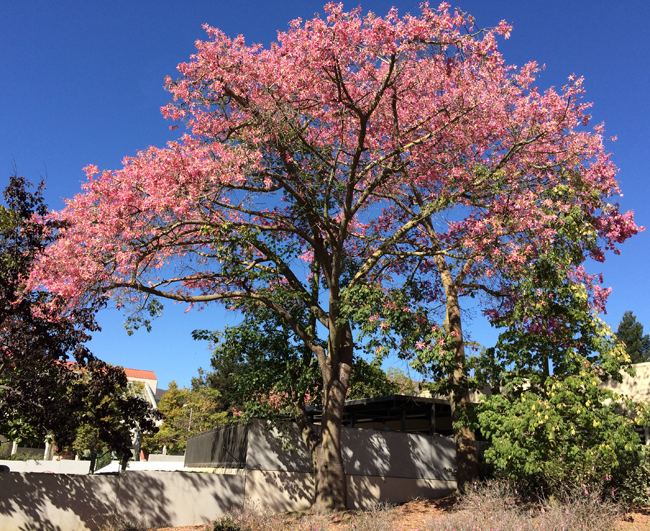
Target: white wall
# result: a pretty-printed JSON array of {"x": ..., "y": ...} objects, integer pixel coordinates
[
  {"x": 636, "y": 387},
  {"x": 64, "y": 466}
]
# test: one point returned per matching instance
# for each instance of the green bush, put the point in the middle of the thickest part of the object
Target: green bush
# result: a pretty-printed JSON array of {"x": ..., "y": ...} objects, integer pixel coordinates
[
  {"x": 635, "y": 490},
  {"x": 570, "y": 433}
]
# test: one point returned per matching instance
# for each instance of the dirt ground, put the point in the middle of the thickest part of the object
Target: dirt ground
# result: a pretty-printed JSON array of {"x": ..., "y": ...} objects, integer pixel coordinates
[
  {"x": 636, "y": 521},
  {"x": 418, "y": 515}
]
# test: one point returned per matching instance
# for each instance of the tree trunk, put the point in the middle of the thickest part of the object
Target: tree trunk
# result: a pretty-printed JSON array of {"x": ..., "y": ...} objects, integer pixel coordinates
[
  {"x": 467, "y": 466},
  {"x": 331, "y": 482}
]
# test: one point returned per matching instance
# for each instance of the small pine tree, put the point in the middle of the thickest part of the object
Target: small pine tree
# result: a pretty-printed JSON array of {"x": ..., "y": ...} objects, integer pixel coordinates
[{"x": 630, "y": 332}]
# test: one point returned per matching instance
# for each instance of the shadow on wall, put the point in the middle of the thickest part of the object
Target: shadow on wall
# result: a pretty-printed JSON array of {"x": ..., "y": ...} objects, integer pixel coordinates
[
  {"x": 382, "y": 466},
  {"x": 394, "y": 467},
  {"x": 636, "y": 387},
  {"x": 278, "y": 468},
  {"x": 275, "y": 475},
  {"x": 57, "y": 502}
]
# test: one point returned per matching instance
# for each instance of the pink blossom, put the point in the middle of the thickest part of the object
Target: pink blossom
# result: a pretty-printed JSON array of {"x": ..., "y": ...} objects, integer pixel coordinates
[{"x": 273, "y": 171}]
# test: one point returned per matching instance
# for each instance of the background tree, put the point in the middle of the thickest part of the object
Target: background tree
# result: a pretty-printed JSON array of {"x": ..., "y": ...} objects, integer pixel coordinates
[
  {"x": 356, "y": 154},
  {"x": 261, "y": 370},
  {"x": 403, "y": 383},
  {"x": 260, "y": 358},
  {"x": 33, "y": 348},
  {"x": 108, "y": 413},
  {"x": 50, "y": 383},
  {"x": 186, "y": 412},
  {"x": 552, "y": 427},
  {"x": 630, "y": 332}
]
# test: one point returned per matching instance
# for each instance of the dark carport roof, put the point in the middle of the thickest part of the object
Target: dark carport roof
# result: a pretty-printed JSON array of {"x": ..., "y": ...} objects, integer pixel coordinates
[{"x": 388, "y": 400}]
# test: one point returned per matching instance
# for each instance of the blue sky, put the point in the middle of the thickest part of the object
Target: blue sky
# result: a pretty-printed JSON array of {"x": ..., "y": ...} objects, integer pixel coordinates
[{"x": 82, "y": 83}]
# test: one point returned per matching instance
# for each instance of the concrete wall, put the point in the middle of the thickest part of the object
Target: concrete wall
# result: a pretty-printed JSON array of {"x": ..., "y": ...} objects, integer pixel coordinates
[
  {"x": 165, "y": 457},
  {"x": 365, "y": 452},
  {"x": 381, "y": 466},
  {"x": 33, "y": 501},
  {"x": 636, "y": 387},
  {"x": 274, "y": 491},
  {"x": 64, "y": 466},
  {"x": 115, "y": 466},
  {"x": 148, "y": 499}
]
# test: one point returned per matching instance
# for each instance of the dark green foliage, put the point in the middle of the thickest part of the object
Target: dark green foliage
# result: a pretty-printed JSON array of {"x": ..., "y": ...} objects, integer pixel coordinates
[
  {"x": 635, "y": 489},
  {"x": 258, "y": 359},
  {"x": 368, "y": 380},
  {"x": 41, "y": 393},
  {"x": 630, "y": 332},
  {"x": 260, "y": 370}
]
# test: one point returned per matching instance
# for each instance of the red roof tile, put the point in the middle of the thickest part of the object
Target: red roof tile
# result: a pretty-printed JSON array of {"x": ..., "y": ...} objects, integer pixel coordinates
[{"x": 139, "y": 373}]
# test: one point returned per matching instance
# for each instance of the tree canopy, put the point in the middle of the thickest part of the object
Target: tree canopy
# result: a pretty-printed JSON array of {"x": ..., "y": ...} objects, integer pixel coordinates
[
  {"x": 261, "y": 370},
  {"x": 356, "y": 154},
  {"x": 186, "y": 412},
  {"x": 50, "y": 383},
  {"x": 630, "y": 332}
]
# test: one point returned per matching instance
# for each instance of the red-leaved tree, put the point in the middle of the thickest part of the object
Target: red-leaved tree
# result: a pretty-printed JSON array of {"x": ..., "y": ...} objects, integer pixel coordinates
[{"x": 354, "y": 152}]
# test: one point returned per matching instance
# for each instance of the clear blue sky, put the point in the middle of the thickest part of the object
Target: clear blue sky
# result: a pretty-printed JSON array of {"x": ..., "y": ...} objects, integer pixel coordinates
[{"x": 82, "y": 82}]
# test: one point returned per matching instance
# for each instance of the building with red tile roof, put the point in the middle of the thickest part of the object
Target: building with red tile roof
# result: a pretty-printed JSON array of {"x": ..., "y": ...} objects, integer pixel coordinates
[
  {"x": 140, "y": 375},
  {"x": 149, "y": 382}
]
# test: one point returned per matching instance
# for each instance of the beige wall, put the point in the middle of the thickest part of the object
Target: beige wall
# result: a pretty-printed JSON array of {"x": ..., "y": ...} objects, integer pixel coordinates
[
  {"x": 275, "y": 491},
  {"x": 636, "y": 387},
  {"x": 153, "y": 384},
  {"x": 34, "y": 501},
  {"x": 382, "y": 467},
  {"x": 148, "y": 499},
  {"x": 365, "y": 452}
]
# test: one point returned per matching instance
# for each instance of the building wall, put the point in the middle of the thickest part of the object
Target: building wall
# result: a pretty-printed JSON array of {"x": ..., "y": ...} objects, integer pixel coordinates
[
  {"x": 636, "y": 387},
  {"x": 165, "y": 457},
  {"x": 153, "y": 384}
]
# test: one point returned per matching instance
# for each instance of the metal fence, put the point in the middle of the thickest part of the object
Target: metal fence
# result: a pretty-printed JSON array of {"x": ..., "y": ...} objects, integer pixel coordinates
[{"x": 222, "y": 447}]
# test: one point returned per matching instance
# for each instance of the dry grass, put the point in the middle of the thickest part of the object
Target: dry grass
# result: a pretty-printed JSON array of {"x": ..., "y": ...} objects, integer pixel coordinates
[
  {"x": 496, "y": 507},
  {"x": 493, "y": 507},
  {"x": 380, "y": 518}
]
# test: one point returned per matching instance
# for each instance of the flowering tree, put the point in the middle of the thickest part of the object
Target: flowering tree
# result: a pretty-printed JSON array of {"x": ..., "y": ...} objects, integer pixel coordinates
[{"x": 355, "y": 154}]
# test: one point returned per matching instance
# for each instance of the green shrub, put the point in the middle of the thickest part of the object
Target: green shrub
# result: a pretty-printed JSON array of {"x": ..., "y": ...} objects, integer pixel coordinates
[
  {"x": 635, "y": 490},
  {"x": 569, "y": 434}
]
